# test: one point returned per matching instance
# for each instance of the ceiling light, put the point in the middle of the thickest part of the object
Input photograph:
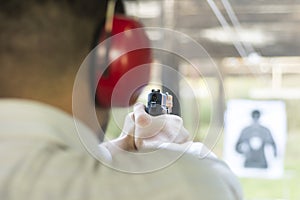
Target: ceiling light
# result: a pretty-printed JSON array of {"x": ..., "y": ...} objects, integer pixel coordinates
[
  {"x": 253, "y": 36},
  {"x": 143, "y": 9}
]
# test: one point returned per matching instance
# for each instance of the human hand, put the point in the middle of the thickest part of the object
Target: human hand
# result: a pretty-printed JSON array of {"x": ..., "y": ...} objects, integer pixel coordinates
[{"x": 142, "y": 131}]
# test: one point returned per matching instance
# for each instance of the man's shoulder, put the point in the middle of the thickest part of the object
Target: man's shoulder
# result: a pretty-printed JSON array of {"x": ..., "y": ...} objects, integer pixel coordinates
[
  {"x": 29, "y": 120},
  {"x": 183, "y": 173}
]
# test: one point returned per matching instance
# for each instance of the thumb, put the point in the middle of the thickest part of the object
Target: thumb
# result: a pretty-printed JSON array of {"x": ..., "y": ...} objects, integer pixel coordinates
[
  {"x": 129, "y": 125},
  {"x": 142, "y": 118}
]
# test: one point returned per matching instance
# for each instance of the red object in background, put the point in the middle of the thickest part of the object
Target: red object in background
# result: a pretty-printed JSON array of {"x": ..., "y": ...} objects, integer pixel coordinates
[{"x": 133, "y": 65}]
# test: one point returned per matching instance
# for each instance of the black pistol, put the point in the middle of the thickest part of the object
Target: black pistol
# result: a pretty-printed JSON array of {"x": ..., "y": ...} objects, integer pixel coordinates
[{"x": 159, "y": 103}]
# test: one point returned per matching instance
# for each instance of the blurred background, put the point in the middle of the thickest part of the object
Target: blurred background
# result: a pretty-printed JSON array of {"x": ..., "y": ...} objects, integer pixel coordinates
[{"x": 256, "y": 48}]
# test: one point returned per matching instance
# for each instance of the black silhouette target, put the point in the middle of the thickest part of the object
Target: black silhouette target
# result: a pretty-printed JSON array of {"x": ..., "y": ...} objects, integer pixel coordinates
[{"x": 255, "y": 135}]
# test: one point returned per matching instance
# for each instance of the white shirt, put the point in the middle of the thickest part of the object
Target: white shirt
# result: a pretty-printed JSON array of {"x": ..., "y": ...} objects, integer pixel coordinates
[{"x": 42, "y": 158}]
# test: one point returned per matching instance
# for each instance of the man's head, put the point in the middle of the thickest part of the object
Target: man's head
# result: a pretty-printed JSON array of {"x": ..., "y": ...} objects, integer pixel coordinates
[
  {"x": 42, "y": 46},
  {"x": 43, "y": 43},
  {"x": 255, "y": 115}
]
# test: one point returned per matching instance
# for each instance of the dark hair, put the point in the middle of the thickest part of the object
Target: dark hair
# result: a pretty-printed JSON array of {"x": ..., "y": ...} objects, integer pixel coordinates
[{"x": 88, "y": 8}]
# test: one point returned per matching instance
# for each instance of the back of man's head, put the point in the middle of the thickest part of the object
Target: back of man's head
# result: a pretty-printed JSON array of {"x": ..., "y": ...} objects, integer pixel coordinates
[{"x": 43, "y": 43}]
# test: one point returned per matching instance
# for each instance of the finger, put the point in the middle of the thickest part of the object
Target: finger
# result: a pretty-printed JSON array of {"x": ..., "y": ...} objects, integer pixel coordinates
[
  {"x": 128, "y": 127},
  {"x": 128, "y": 133},
  {"x": 141, "y": 117}
]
